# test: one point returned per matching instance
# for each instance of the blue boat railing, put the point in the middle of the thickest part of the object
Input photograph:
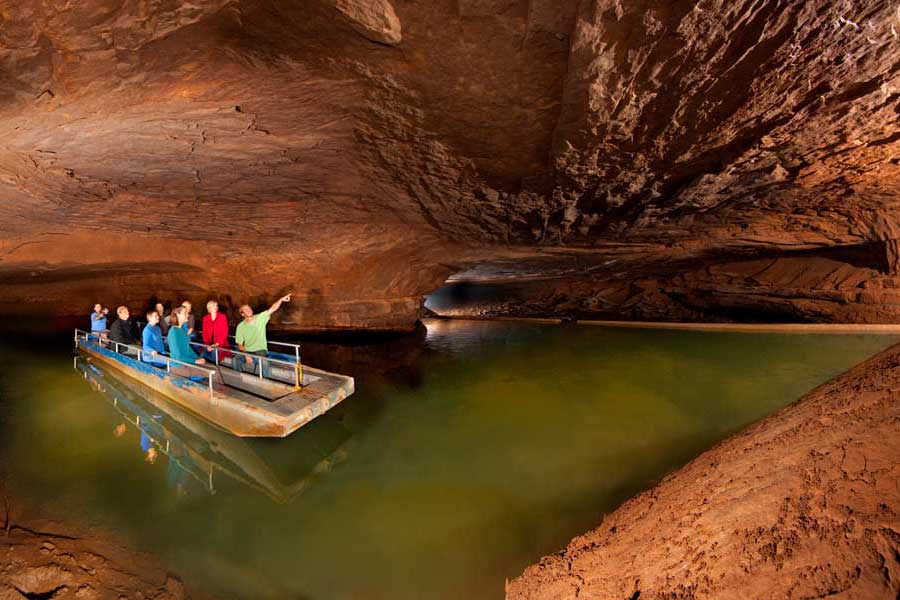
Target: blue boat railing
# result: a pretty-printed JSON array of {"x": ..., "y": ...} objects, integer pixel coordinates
[
  {"x": 136, "y": 351},
  {"x": 288, "y": 365}
]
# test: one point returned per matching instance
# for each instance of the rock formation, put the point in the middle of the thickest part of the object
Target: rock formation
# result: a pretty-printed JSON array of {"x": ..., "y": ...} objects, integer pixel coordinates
[
  {"x": 803, "y": 504},
  {"x": 650, "y": 159}
]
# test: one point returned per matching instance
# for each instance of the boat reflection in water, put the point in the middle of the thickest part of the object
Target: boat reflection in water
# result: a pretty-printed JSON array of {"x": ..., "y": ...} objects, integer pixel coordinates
[{"x": 197, "y": 451}]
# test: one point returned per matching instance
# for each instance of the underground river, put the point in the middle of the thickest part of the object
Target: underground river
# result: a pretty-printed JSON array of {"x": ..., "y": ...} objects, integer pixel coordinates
[{"x": 466, "y": 453}]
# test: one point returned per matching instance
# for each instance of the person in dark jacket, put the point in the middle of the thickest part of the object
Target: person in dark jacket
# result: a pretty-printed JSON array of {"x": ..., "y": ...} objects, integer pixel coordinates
[
  {"x": 163, "y": 319},
  {"x": 189, "y": 324},
  {"x": 124, "y": 330}
]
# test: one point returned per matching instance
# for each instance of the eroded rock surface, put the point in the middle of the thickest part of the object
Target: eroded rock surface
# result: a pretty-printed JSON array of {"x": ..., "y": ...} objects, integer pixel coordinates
[
  {"x": 805, "y": 504},
  {"x": 358, "y": 152},
  {"x": 64, "y": 563}
]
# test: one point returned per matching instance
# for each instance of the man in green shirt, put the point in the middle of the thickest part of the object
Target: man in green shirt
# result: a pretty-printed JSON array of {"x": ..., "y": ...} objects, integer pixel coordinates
[{"x": 250, "y": 336}]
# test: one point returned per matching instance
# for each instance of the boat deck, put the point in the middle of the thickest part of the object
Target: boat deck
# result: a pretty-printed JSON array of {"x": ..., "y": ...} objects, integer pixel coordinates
[{"x": 244, "y": 404}]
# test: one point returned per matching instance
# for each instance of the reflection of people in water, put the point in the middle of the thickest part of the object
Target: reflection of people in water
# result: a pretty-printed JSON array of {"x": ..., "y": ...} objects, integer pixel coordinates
[
  {"x": 177, "y": 477},
  {"x": 148, "y": 447}
]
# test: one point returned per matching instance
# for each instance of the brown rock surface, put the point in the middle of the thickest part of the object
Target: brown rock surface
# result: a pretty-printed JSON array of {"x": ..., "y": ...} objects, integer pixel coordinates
[
  {"x": 357, "y": 152},
  {"x": 57, "y": 561},
  {"x": 805, "y": 504}
]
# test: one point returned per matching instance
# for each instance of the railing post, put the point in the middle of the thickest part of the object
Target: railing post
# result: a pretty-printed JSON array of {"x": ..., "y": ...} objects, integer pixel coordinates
[
  {"x": 260, "y": 367},
  {"x": 217, "y": 356},
  {"x": 139, "y": 355},
  {"x": 168, "y": 365}
]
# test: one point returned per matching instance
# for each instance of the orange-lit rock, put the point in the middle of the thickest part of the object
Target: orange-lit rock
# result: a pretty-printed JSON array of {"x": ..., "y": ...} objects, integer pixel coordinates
[{"x": 357, "y": 152}]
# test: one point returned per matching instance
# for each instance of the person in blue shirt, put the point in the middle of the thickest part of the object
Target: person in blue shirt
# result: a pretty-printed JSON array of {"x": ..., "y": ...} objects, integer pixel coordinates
[
  {"x": 153, "y": 341},
  {"x": 98, "y": 318}
]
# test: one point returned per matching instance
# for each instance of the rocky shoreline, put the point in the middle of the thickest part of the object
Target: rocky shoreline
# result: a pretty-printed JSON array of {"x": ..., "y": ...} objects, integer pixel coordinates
[
  {"x": 804, "y": 504},
  {"x": 50, "y": 559}
]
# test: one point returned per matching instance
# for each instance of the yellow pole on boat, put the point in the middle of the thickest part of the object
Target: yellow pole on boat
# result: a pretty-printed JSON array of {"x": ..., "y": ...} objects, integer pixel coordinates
[{"x": 299, "y": 383}]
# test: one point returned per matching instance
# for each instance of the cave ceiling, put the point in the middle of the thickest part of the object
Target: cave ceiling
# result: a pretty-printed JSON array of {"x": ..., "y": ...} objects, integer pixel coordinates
[{"x": 359, "y": 152}]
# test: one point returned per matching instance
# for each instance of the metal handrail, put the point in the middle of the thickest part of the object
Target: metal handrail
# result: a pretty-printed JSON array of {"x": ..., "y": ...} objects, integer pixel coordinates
[
  {"x": 289, "y": 365},
  {"x": 295, "y": 347},
  {"x": 140, "y": 352},
  {"x": 287, "y": 344}
]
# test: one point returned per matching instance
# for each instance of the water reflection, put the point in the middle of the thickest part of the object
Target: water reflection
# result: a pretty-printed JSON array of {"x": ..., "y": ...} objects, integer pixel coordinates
[
  {"x": 198, "y": 453},
  {"x": 372, "y": 359}
]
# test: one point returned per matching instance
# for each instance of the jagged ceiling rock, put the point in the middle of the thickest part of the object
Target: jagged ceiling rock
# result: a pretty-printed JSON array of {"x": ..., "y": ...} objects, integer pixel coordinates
[
  {"x": 713, "y": 113},
  {"x": 373, "y": 19},
  {"x": 247, "y": 147}
]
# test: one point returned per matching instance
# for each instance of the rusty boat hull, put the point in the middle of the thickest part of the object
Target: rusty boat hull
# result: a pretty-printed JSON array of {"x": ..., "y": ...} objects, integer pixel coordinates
[{"x": 277, "y": 410}]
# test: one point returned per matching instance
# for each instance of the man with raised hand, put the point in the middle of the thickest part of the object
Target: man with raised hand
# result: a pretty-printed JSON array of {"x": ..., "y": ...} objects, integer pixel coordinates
[
  {"x": 98, "y": 318},
  {"x": 251, "y": 336}
]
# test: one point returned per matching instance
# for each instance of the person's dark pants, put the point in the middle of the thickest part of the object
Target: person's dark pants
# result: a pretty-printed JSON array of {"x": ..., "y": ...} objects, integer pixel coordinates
[{"x": 240, "y": 362}]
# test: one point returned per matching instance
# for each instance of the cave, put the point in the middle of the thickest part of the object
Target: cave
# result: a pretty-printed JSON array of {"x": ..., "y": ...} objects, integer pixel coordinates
[{"x": 399, "y": 170}]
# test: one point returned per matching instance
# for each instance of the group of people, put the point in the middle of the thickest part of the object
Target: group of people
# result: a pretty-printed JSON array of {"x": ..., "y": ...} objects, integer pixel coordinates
[{"x": 177, "y": 330}]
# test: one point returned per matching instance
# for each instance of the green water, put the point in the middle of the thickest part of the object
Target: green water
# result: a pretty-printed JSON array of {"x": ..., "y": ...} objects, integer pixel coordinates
[{"x": 465, "y": 454}]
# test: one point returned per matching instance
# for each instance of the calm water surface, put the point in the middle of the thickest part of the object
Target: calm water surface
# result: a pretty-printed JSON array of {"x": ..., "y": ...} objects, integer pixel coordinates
[{"x": 465, "y": 455}]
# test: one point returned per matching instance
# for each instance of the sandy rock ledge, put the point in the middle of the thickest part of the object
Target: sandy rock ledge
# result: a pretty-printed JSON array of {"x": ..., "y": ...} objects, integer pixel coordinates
[{"x": 803, "y": 504}]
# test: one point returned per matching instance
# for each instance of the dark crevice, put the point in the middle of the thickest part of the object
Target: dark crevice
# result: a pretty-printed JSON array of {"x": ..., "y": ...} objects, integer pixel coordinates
[
  {"x": 38, "y": 533},
  {"x": 885, "y": 141},
  {"x": 42, "y": 595}
]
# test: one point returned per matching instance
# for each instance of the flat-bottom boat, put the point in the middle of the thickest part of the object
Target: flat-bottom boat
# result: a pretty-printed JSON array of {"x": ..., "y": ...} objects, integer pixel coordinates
[{"x": 275, "y": 400}]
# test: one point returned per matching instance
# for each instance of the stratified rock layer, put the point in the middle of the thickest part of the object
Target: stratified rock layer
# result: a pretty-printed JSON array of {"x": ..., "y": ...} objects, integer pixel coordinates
[
  {"x": 358, "y": 152},
  {"x": 805, "y": 504}
]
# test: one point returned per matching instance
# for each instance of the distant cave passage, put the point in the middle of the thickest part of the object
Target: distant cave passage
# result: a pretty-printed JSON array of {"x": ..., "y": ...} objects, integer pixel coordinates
[
  {"x": 869, "y": 255},
  {"x": 456, "y": 295}
]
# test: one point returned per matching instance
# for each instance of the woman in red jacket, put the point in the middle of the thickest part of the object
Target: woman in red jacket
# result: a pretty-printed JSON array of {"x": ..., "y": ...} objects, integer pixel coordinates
[{"x": 215, "y": 331}]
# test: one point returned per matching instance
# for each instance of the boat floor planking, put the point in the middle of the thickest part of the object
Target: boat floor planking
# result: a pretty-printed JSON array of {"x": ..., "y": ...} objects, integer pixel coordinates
[{"x": 238, "y": 412}]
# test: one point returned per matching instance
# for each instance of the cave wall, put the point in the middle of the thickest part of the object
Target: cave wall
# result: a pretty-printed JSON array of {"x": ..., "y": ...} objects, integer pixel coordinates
[
  {"x": 840, "y": 285},
  {"x": 358, "y": 152}
]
